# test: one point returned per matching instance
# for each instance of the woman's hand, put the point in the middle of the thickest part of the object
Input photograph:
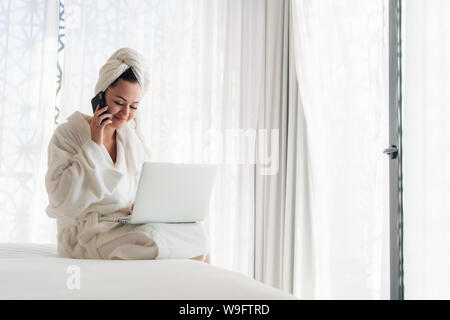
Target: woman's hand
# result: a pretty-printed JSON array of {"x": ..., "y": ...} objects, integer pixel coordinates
[{"x": 96, "y": 125}]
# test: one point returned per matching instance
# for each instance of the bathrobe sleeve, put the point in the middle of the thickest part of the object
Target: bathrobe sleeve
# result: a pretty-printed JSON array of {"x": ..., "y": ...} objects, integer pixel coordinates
[{"x": 78, "y": 174}]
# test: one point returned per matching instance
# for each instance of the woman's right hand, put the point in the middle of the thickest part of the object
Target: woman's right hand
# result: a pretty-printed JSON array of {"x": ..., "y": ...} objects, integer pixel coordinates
[{"x": 96, "y": 125}]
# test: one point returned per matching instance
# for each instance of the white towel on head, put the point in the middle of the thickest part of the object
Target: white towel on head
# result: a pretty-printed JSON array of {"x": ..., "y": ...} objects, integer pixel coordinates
[{"x": 117, "y": 64}]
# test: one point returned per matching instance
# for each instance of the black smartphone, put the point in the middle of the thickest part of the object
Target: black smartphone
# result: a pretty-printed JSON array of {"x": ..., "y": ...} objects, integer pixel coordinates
[{"x": 99, "y": 99}]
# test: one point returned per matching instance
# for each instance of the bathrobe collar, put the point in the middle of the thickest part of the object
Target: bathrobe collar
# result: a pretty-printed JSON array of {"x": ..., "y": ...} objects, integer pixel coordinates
[{"x": 79, "y": 121}]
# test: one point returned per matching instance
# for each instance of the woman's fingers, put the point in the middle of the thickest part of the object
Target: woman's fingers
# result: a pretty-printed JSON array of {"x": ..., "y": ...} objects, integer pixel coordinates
[
  {"x": 100, "y": 118},
  {"x": 107, "y": 122},
  {"x": 100, "y": 111},
  {"x": 96, "y": 109},
  {"x": 97, "y": 126}
]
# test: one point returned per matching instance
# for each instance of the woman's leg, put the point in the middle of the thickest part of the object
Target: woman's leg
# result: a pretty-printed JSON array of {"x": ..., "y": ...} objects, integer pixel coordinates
[{"x": 127, "y": 244}]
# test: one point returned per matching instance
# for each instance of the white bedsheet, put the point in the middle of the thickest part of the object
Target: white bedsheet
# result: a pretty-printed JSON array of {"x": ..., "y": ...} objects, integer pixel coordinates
[{"x": 33, "y": 271}]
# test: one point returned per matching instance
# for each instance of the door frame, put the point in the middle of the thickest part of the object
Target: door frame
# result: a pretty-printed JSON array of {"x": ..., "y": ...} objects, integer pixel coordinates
[{"x": 395, "y": 154}]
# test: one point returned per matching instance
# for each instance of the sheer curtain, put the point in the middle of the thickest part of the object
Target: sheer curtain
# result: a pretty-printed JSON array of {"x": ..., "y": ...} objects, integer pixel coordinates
[
  {"x": 341, "y": 54},
  {"x": 426, "y": 155},
  {"x": 283, "y": 258},
  {"x": 28, "y": 37}
]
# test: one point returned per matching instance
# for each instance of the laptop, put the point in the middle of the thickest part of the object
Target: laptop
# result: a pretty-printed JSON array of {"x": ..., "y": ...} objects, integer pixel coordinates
[{"x": 171, "y": 193}]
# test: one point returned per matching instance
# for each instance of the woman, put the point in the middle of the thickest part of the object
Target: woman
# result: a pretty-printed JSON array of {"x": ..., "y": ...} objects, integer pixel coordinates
[{"x": 93, "y": 171}]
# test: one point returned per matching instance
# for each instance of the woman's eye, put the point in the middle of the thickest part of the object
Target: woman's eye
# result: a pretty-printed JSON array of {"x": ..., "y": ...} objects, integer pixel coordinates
[{"x": 119, "y": 104}]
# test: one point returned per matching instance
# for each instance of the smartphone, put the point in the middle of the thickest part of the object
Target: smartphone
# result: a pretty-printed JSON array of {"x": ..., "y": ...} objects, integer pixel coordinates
[{"x": 99, "y": 99}]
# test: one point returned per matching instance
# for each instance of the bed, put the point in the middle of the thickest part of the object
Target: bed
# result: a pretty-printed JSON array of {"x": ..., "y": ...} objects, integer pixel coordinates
[{"x": 33, "y": 271}]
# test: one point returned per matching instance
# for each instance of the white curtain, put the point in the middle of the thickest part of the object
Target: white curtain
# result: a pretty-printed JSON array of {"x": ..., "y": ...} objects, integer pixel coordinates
[
  {"x": 426, "y": 155},
  {"x": 28, "y": 37},
  {"x": 341, "y": 54},
  {"x": 282, "y": 217}
]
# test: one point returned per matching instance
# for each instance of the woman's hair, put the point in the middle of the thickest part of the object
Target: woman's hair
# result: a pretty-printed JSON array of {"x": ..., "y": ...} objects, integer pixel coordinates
[{"x": 128, "y": 75}]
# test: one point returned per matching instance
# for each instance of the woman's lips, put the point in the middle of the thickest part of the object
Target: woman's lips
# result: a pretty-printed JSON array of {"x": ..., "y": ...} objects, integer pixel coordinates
[{"x": 120, "y": 119}]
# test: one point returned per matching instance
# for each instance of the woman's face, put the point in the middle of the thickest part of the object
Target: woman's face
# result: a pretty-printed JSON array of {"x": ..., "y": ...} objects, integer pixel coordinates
[{"x": 122, "y": 101}]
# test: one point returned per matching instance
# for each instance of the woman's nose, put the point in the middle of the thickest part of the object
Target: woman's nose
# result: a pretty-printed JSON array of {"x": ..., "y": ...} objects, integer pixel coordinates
[{"x": 125, "y": 110}]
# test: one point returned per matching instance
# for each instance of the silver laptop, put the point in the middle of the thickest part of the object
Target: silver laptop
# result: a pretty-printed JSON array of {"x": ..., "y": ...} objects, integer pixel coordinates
[{"x": 171, "y": 193}]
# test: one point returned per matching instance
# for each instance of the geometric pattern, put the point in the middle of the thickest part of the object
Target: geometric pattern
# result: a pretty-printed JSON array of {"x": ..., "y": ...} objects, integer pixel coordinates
[
  {"x": 22, "y": 155},
  {"x": 61, "y": 34}
]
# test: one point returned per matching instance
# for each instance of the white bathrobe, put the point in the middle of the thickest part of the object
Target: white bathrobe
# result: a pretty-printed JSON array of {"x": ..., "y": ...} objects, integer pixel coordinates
[{"x": 83, "y": 183}]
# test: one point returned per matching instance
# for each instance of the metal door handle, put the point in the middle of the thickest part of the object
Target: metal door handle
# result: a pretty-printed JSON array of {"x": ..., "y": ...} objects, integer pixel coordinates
[{"x": 392, "y": 151}]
